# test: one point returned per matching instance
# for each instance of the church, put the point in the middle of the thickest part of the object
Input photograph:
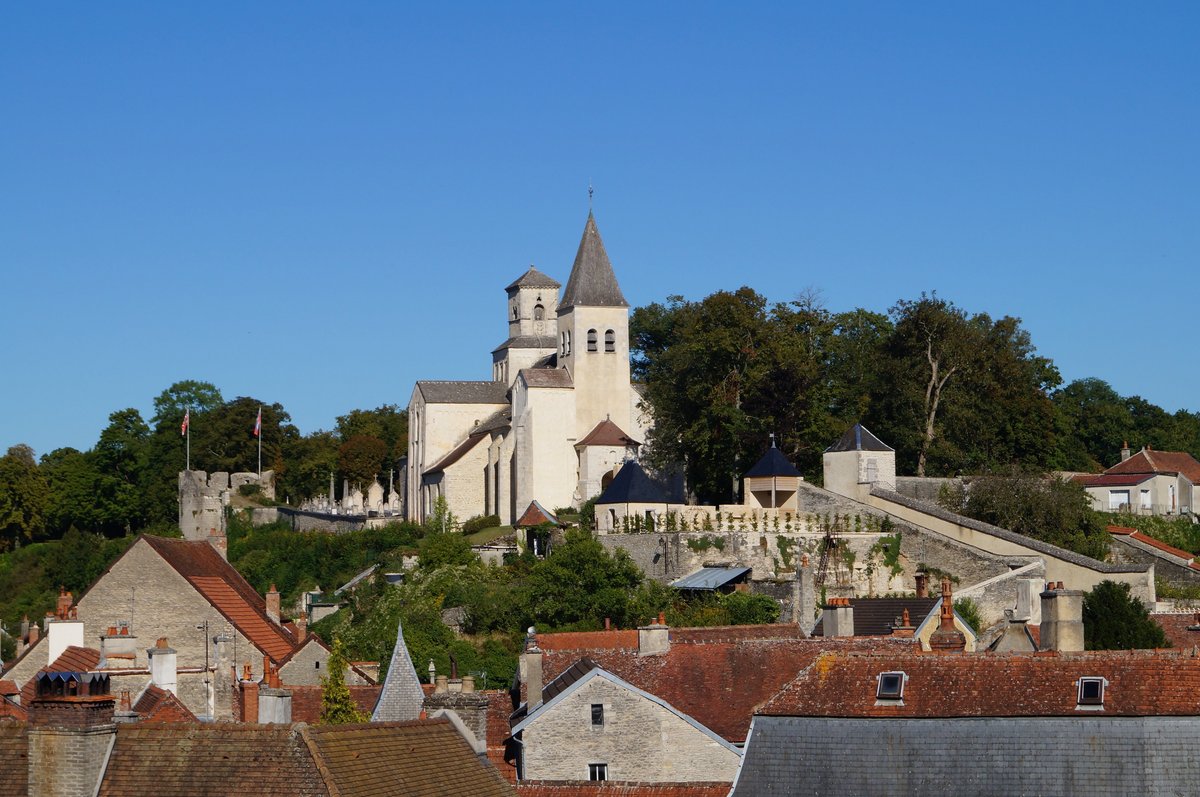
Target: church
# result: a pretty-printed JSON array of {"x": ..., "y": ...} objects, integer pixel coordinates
[{"x": 558, "y": 416}]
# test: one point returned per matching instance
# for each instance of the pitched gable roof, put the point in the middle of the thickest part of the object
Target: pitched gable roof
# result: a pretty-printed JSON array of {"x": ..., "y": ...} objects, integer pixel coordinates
[
  {"x": 158, "y": 705},
  {"x": 546, "y": 377},
  {"x": 1111, "y": 479},
  {"x": 464, "y": 392},
  {"x": 857, "y": 438},
  {"x": 223, "y": 586},
  {"x": 607, "y": 433},
  {"x": 592, "y": 282},
  {"x": 1149, "y": 461},
  {"x": 402, "y": 698},
  {"x": 536, "y": 515},
  {"x": 876, "y": 616},
  {"x": 737, "y": 667},
  {"x": 773, "y": 463},
  {"x": 1140, "y": 683}
]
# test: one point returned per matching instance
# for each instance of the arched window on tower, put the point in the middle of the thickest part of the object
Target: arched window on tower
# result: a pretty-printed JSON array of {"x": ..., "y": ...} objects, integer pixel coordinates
[
  {"x": 539, "y": 313},
  {"x": 591, "y": 340},
  {"x": 610, "y": 340}
]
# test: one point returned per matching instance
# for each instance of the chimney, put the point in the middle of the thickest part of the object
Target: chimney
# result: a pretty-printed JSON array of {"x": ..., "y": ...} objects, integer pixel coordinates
[
  {"x": 118, "y": 648},
  {"x": 838, "y": 618},
  {"x": 125, "y": 712},
  {"x": 804, "y": 596},
  {"x": 34, "y": 631},
  {"x": 219, "y": 542},
  {"x": 248, "y": 692},
  {"x": 274, "y": 702},
  {"x": 922, "y": 585},
  {"x": 273, "y": 603},
  {"x": 1125, "y": 452},
  {"x": 64, "y": 629},
  {"x": 654, "y": 639},
  {"x": 530, "y": 666},
  {"x": 905, "y": 628},
  {"x": 163, "y": 666},
  {"x": 947, "y": 638},
  {"x": 1029, "y": 605},
  {"x": 1062, "y": 618},
  {"x": 468, "y": 706},
  {"x": 301, "y": 627},
  {"x": 70, "y": 727}
]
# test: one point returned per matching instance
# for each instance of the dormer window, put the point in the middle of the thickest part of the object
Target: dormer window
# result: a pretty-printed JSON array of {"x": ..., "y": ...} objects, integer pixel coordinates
[
  {"x": 1091, "y": 691},
  {"x": 891, "y": 686}
]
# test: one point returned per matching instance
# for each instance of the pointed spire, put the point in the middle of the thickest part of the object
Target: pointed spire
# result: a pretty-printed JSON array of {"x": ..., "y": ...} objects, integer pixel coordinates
[
  {"x": 592, "y": 282},
  {"x": 401, "y": 698}
]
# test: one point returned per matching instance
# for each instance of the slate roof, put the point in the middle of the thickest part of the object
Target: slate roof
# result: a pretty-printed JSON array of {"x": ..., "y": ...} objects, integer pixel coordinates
[
  {"x": 612, "y": 788},
  {"x": 773, "y": 463},
  {"x": 533, "y": 279},
  {"x": 547, "y": 377},
  {"x": 528, "y": 342},
  {"x": 710, "y": 578},
  {"x": 1140, "y": 683},
  {"x": 456, "y": 453},
  {"x": 714, "y": 675},
  {"x": 592, "y": 282},
  {"x": 401, "y": 698},
  {"x": 536, "y": 515},
  {"x": 857, "y": 438},
  {"x": 1149, "y": 461},
  {"x": 14, "y": 759},
  {"x": 631, "y": 485},
  {"x": 222, "y": 586},
  {"x": 607, "y": 433},
  {"x": 464, "y": 392},
  {"x": 876, "y": 616}
]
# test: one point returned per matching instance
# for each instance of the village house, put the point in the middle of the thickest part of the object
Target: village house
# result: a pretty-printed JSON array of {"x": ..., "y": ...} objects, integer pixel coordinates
[
  {"x": 558, "y": 415},
  {"x": 181, "y": 596},
  {"x": 1146, "y": 483}
]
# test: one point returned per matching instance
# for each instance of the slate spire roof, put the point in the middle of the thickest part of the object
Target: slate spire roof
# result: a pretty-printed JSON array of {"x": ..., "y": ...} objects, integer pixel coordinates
[
  {"x": 857, "y": 438},
  {"x": 631, "y": 485},
  {"x": 402, "y": 698},
  {"x": 773, "y": 463},
  {"x": 592, "y": 282}
]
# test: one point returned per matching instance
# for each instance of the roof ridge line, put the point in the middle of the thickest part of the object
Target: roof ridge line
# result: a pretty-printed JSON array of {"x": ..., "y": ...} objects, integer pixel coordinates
[{"x": 319, "y": 760}]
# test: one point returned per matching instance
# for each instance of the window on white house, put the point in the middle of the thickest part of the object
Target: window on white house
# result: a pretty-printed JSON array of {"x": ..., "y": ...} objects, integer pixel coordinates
[
  {"x": 1145, "y": 499},
  {"x": 1091, "y": 691},
  {"x": 597, "y": 713},
  {"x": 1118, "y": 498},
  {"x": 597, "y": 771}
]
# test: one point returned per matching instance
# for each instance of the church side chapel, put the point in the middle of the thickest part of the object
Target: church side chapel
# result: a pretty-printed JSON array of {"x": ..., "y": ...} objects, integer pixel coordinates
[{"x": 559, "y": 415}]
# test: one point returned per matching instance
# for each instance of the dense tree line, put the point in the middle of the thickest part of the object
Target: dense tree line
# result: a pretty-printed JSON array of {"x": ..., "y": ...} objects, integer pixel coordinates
[
  {"x": 953, "y": 392},
  {"x": 127, "y": 481}
]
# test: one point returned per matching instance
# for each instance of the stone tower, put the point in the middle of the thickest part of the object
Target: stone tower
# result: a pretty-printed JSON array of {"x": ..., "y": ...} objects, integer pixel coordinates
[
  {"x": 532, "y": 325},
  {"x": 857, "y": 462},
  {"x": 593, "y": 336}
]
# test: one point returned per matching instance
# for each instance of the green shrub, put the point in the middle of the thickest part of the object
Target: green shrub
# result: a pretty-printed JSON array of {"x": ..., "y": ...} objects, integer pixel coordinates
[{"x": 479, "y": 523}]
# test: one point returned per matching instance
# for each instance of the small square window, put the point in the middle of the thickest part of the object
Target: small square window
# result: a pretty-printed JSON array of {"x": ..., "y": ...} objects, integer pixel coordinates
[
  {"x": 316, "y": 665},
  {"x": 1091, "y": 691},
  {"x": 597, "y": 713},
  {"x": 597, "y": 771},
  {"x": 891, "y": 686}
]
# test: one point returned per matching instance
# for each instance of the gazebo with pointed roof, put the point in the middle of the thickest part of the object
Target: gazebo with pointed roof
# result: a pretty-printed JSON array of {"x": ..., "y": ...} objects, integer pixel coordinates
[{"x": 772, "y": 482}]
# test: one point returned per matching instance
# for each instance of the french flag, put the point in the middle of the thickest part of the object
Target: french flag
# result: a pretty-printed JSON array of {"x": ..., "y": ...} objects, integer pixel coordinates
[
  {"x": 258, "y": 423},
  {"x": 187, "y": 415}
]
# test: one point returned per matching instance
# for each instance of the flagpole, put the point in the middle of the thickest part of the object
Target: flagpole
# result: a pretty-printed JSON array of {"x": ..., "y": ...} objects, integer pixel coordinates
[
  {"x": 188, "y": 461},
  {"x": 259, "y": 441}
]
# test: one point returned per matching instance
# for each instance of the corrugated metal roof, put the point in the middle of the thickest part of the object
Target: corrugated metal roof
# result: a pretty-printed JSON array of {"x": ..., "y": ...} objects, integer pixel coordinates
[{"x": 710, "y": 578}]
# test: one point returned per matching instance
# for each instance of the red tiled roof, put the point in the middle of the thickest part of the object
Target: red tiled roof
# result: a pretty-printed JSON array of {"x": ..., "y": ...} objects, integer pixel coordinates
[
  {"x": 222, "y": 586},
  {"x": 1121, "y": 530},
  {"x": 1178, "y": 628},
  {"x": 607, "y": 433},
  {"x": 1139, "y": 683},
  {"x": 715, "y": 675},
  {"x": 1111, "y": 479},
  {"x": 588, "y": 640},
  {"x": 306, "y": 700},
  {"x": 612, "y": 788},
  {"x": 535, "y": 515},
  {"x": 1162, "y": 546},
  {"x": 73, "y": 659},
  {"x": 9, "y": 709},
  {"x": 1150, "y": 461},
  {"x": 159, "y": 705},
  {"x": 8, "y": 688}
]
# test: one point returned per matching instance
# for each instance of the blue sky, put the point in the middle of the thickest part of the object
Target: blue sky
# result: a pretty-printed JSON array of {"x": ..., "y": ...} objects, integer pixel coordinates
[{"x": 319, "y": 203}]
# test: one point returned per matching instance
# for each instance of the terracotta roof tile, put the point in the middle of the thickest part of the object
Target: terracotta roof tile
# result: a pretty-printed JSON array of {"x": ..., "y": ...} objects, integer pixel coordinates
[
  {"x": 1139, "y": 683},
  {"x": 73, "y": 659},
  {"x": 159, "y": 705},
  {"x": 583, "y": 788},
  {"x": 715, "y": 675},
  {"x": 8, "y": 688},
  {"x": 607, "y": 433},
  {"x": 1151, "y": 461},
  {"x": 536, "y": 515},
  {"x": 1178, "y": 628},
  {"x": 1111, "y": 479}
]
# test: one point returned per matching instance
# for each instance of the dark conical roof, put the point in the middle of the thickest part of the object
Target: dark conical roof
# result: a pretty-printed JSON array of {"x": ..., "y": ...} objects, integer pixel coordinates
[
  {"x": 631, "y": 485},
  {"x": 773, "y": 463},
  {"x": 533, "y": 279},
  {"x": 592, "y": 282},
  {"x": 857, "y": 438}
]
